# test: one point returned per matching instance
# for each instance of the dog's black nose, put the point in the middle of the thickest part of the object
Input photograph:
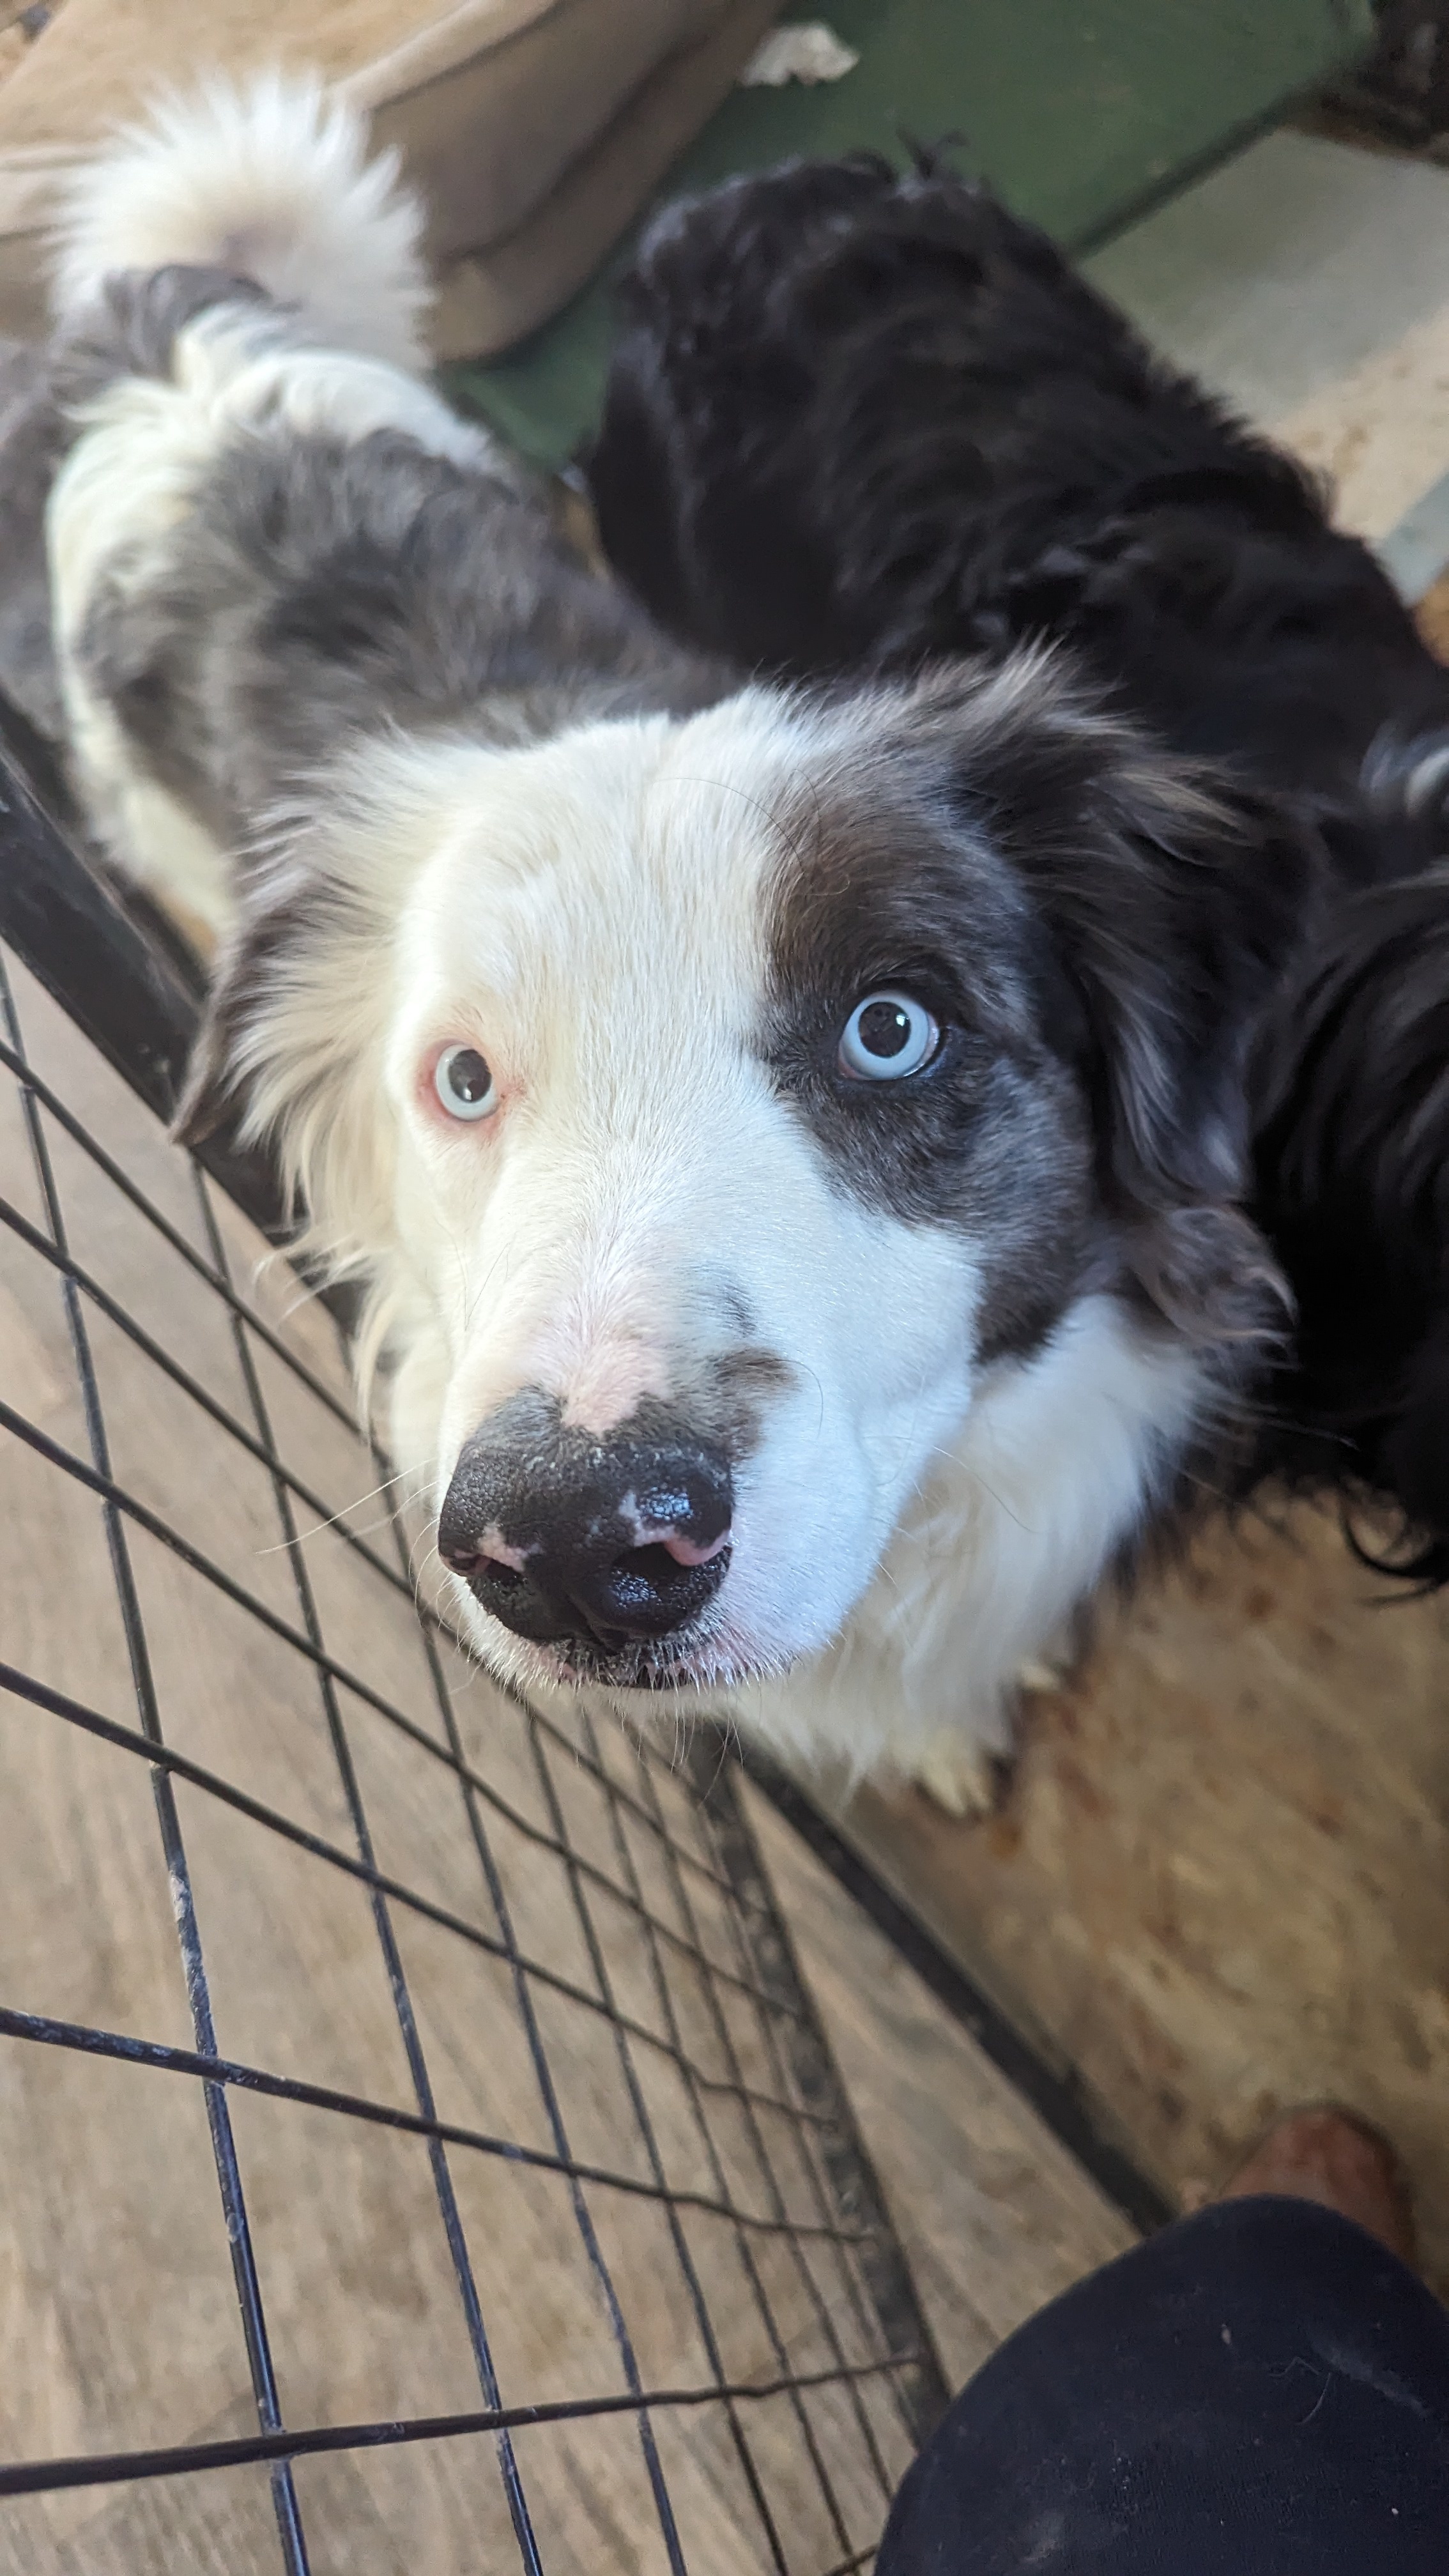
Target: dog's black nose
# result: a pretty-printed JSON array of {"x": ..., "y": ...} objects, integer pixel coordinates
[{"x": 569, "y": 1539}]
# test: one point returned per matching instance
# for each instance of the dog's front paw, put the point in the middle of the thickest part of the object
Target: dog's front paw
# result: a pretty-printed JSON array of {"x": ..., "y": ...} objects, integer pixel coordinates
[
  {"x": 961, "y": 1777},
  {"x": 1054, "y": 1663},
  {"x": 1044, "y": 1672}
]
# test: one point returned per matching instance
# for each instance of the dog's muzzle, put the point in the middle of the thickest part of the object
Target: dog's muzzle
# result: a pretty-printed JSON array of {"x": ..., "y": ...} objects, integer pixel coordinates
[{"x": 598, "y": 1545}]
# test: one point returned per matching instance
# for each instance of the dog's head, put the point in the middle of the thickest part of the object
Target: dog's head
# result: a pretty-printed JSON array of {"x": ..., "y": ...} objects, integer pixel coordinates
[{"x": 713, "y": 1104}]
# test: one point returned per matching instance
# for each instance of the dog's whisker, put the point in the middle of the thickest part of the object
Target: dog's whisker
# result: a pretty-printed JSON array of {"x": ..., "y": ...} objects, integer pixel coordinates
[{"x": 333, "y": 1519}]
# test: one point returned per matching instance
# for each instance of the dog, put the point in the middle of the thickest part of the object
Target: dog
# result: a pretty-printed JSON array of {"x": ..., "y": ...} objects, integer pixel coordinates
[
  {"x": 793, "y": 1141},
  {"x": 857, "y": 421}
]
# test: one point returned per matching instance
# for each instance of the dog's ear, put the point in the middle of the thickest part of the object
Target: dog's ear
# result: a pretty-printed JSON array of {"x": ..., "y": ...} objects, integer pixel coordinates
[
  {"x": 1352, "y": 1167},
  {"x": 1165, "y": 904},
  {"x": 289, "y": 1057},
  {"x": 243, "y": 979}
]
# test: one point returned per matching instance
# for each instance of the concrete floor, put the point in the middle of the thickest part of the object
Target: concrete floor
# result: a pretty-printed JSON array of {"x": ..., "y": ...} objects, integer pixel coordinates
[{"x": 1309, "y": 282}]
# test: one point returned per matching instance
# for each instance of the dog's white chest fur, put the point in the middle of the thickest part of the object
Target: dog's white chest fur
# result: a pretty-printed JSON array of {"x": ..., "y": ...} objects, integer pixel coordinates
[{"x": 1051, "y": 1477}]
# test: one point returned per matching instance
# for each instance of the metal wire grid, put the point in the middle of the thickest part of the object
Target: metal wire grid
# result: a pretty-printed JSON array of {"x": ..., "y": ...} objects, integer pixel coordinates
[{"x": 627, "y": 1933}]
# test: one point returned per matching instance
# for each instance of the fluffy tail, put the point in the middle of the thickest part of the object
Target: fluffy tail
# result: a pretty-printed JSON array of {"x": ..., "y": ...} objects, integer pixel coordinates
[
  {"x": 271, "y": 180},
  {"x": 1353, "y": 1194}
]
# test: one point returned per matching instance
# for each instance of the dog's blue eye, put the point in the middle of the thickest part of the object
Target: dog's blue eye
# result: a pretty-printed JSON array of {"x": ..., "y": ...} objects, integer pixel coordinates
[
  {"x": 886, "y": 1037},
  {"x": 464, "y": 1084}
]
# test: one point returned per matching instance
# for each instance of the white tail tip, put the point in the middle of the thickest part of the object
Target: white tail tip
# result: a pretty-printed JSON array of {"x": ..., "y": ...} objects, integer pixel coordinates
[{"x": 270, "y": 178}]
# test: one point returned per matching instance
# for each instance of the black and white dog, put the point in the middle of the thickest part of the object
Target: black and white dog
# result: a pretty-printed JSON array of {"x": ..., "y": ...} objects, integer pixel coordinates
[
  {"x": 796, "y": 1141},
  {"x": 858, "y": 422}
]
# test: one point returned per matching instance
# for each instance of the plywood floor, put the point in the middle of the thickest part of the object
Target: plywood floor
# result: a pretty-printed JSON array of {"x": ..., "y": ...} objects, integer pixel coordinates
[
  {"x": 119, "y": 2323},
  {"x": 1219, "y": 1883}
]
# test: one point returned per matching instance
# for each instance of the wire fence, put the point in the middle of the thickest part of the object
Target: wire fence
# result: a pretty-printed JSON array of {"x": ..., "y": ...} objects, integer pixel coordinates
[{"x": 420, "y": 2146}]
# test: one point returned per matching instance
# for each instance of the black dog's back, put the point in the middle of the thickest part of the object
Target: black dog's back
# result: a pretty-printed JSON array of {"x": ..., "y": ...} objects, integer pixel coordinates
[
  {"x": 855, "y": 418},
  {"x": 858, "y": 421}
]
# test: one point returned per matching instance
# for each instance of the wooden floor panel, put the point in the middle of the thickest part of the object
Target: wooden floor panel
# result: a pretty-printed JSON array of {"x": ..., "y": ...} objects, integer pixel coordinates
[{"x": 1219, "y": 1883}]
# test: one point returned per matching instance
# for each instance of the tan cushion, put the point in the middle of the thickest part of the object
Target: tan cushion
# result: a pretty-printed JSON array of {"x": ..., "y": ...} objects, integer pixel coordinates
[
  {"x": 509, "y": 114},
  {"x": 492, "y": 128},
  {"x": 493, "y": 297},
  {"x": 27, "y": 194}
]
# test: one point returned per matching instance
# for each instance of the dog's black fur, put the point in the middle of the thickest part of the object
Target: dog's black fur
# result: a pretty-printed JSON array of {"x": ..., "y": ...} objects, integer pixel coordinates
[{"x": 862, "y": 421}]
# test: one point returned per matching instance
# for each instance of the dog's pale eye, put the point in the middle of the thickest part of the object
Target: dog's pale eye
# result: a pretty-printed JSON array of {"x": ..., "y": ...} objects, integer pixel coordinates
[
  {"x": 464, "y": 1084},
  {"x": 887, "y": 1036}
]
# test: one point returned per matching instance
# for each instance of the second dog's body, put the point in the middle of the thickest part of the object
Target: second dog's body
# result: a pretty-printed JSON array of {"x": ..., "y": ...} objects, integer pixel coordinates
[{"x": 857, "y": 422}]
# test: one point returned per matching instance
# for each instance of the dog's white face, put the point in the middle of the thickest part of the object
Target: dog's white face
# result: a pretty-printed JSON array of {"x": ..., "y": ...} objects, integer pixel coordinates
[
  {"x": 714, "y": 1111},
  {"x": 629, "y": 1238}
]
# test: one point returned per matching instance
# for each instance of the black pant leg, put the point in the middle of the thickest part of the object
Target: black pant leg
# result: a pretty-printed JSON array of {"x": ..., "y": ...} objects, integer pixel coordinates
[{"x": 1259, "y": 2391}]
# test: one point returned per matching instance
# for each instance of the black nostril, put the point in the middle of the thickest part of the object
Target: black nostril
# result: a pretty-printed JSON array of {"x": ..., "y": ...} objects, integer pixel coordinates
[
  {"x": 643, "y": 1593},
  {"x": 654, "y": 1567},
  {"x": 646, "y": 1592}
]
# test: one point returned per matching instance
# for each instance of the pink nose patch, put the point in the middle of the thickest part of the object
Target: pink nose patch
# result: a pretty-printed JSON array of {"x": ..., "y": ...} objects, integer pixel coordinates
[
  {"x": 492, "y": 1544},
  {"x": 683, "y": 1550}
]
